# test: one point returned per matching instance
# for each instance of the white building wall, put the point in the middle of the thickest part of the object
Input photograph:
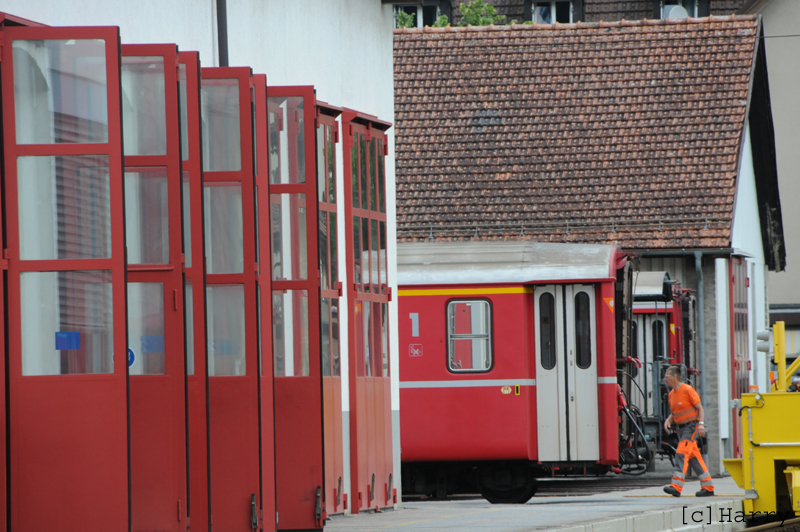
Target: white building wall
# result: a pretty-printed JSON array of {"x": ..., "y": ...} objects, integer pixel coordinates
[
  {"x": 746, "y": 240},
  {"x": 343, "y": 48}
]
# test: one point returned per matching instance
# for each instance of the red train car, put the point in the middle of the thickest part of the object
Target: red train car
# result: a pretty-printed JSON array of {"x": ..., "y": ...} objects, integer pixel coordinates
[{"x": 509, "y": 365}]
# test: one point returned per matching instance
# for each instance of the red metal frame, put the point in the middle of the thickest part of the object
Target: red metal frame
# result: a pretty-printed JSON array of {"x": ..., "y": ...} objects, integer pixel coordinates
[
  {"x": 299, "y": 438},
  {"x": 194, "y": 272},
  {"x": 234, "y": 400},
  {"x": 328, "y": 132},
  {"x": 267, "y": 405},
  {"x": 371, "y": 462},
  {"x": 158, "y": 402},
  {"x": 85, "y": 416}
]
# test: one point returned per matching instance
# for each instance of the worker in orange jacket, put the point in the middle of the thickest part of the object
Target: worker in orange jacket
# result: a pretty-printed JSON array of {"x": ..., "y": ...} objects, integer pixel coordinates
[{"x": 689, "y": 418}]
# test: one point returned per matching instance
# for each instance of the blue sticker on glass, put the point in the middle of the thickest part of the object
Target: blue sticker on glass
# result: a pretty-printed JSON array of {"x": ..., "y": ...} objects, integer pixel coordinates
[
  {"x": 227, "y": 347},
  {"x": 153, "y": 344},
  {"x": 131, "y": 357},
  {"x": 68, "y": 340}
]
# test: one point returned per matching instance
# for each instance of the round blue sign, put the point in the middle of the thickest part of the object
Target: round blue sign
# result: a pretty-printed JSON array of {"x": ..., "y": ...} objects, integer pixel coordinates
[{"x": 131, "y": 357}]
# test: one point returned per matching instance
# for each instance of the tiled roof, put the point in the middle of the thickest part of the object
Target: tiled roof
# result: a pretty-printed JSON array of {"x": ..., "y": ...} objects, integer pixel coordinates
[{"x": 622, "y": 132}]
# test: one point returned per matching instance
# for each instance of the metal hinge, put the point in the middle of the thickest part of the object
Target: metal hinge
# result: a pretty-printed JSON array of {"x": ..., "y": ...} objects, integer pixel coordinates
[
  {"x": 318, "y": 509},
  {"x": 5, "y": 259},
  {"x": 336, "y": 134}
]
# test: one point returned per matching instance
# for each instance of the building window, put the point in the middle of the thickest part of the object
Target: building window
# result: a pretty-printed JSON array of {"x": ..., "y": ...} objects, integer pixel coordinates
[
  {"x": 552, "y": 11},
  {"x": 668, "y": 6},
  {"x": 424, "y": 15},
  {"x": 469, "y": 338}
]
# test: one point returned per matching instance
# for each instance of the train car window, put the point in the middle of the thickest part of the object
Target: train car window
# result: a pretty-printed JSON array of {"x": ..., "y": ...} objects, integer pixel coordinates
[
  {"x": 583, "y": 331},
  {"x": 547, "y": 328},
  {"x": 658, "y": 339},
  {"x": 469, "y": 336}
]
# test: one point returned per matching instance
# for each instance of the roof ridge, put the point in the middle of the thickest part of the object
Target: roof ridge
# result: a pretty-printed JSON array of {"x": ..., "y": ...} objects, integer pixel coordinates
[{"x": 582, "y": 25}]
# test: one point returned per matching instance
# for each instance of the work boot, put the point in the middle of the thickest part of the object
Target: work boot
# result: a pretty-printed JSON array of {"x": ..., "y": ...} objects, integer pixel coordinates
[
  {"x": 704, "y": 493},
  {"x": 672, "y": 491}
]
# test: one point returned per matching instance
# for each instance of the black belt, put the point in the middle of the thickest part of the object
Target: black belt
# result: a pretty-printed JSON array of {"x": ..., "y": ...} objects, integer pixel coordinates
[{"x": 686, "y": 424}]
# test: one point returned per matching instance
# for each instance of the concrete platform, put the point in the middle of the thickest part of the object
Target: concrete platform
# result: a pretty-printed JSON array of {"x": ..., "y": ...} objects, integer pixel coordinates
[{"x": 638, "y": 510}]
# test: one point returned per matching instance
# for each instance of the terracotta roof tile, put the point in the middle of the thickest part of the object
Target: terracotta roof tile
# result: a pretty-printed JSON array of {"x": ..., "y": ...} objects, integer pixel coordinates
[{"x": 622, "y": 132}]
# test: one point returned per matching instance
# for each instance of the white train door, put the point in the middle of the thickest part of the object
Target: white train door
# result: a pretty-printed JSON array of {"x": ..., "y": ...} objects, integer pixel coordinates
[
  {"x": 648, "y": 343},
  {"x": 566, "y": 373}
]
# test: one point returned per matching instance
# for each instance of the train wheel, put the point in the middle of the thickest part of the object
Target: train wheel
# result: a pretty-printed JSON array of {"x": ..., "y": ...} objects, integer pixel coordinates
[{"x": 506, "y": 484}]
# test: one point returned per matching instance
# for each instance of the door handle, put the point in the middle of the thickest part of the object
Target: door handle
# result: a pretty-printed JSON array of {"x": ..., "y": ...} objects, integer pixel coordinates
[
  {"x": 253, "y": 512},
  {"x": 571, "y": 397}
]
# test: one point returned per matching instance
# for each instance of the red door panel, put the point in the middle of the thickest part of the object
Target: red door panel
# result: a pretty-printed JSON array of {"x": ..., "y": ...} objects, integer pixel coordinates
[
  {"x": 153, "y": 188},
  {"x": 296, "y": 309},
  {"x": 231, "y": 301},
  {"x": 266, "y": 377},
  {"x": 330, "y": 291},
  {"x": 194, "y": 291},
  {"x": 68, "y": 393}
]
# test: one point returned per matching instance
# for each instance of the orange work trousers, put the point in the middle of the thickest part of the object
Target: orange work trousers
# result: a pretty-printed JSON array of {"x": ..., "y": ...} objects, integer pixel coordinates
[{"x": 688, "y": 455}]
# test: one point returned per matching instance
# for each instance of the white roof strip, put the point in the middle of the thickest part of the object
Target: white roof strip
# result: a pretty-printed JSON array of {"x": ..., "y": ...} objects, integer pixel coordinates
[
  {"x": 651, "y": 286},
  {"x": 455, "y": 263}
]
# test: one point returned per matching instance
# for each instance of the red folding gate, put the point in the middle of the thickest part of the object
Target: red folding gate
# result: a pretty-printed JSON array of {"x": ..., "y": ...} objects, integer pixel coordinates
[
  {"x": 63, "y": 188},
  {"x": 156, "y": 351},
  {"x": 295, "y": 308},
  {"x": 372, "y": 478},
  {"x": 740, "y": 362},
  {"x": 232, "y": 323},
  {"x": 137, "y": 382}
]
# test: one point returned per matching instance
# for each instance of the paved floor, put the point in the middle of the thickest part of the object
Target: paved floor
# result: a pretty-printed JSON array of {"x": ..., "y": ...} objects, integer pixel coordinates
[{"x": 651, "y": 508}]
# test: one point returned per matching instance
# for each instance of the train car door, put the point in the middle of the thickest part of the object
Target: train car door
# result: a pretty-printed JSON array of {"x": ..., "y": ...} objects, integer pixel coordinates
[
  {"x": 231, "y": 297},
  {"x": 67, "y": 370},
  {"x": 649, "y": 345},
  {"x": 566, "y": 370},
  {"x": 151, "y": 133}
]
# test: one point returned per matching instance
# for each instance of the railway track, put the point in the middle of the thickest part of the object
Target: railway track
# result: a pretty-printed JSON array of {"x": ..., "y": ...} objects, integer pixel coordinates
[
  {"x": 577, "y": 486},
  {"x": 570, "y": 487}
]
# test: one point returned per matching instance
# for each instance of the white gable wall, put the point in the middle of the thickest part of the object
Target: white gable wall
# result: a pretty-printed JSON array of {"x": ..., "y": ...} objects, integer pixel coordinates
[{"x": 746, "y": 239}]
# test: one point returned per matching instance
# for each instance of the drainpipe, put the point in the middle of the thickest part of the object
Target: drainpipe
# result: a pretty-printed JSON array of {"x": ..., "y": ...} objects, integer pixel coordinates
[
  {"x": 701, "y": 326},
  {"x": 222, "y": 32}
]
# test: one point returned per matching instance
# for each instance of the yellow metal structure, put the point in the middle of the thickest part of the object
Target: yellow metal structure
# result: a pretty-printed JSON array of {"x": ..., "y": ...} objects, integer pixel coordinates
[{"x": 769, "y": 470}]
